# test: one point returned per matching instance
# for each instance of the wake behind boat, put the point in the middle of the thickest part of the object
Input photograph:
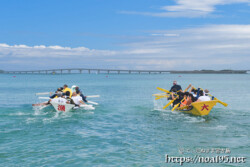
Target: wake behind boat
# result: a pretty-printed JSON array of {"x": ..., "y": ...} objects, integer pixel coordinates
[{"x": 66, "y": 99}]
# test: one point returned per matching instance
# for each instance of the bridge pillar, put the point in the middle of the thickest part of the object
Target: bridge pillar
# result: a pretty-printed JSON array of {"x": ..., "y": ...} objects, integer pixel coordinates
[
  {"x": 80, "y": 71},
  {"x": 69, "y": 71},
  {"x": 108, "y": 71},
  {"x": 89, "y": 71},
  {"x": 129, "y": 72},
  {"x": 118, "y": 71},
  {"x": 98, "y": 71}
]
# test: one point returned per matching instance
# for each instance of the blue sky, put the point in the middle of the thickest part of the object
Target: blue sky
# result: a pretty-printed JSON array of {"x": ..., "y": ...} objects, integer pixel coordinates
[{"x": 116, "y": 34}]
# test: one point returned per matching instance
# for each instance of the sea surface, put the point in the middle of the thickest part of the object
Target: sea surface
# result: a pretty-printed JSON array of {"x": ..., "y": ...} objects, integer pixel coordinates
[{"x": 127, "y": 128}]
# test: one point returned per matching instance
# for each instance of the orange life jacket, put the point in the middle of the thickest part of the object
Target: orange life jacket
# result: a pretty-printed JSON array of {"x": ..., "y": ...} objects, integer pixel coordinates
[{"x": 183, "y": 103}]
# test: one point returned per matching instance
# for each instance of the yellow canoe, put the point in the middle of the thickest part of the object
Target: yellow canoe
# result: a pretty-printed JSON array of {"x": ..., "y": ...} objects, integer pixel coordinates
[{"x": 198, "y": 108}]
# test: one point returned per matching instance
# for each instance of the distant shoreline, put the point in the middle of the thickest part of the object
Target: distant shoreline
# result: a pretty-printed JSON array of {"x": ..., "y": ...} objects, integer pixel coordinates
[{"x": 211, "y": 72}]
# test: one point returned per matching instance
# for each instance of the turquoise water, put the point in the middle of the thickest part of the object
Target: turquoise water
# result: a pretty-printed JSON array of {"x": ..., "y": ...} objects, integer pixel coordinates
[{"x": 128, "y": 128}]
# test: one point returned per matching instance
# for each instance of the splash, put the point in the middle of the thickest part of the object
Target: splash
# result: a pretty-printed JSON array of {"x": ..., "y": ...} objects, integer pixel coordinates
[{"x": 158, "y": 105}]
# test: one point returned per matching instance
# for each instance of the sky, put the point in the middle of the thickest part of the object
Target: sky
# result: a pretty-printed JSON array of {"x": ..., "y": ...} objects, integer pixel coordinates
[{"x": 125, "y": 34}]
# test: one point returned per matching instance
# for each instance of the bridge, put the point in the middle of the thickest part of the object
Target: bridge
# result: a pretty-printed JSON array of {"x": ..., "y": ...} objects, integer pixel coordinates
[
  {"x": 114, "y": 71},
  {"x": 84, "y": 70}
]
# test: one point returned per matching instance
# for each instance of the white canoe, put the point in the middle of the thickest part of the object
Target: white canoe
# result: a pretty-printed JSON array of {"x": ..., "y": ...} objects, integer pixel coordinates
[{"x": 67, "y": 107}]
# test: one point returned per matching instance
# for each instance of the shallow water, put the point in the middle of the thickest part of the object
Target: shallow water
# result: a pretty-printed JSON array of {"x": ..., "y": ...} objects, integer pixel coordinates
[{"x": 128, "y": 128}]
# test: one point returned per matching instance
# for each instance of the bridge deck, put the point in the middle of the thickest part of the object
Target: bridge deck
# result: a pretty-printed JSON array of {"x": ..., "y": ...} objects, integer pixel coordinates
[{"x": 114, "y": 71}]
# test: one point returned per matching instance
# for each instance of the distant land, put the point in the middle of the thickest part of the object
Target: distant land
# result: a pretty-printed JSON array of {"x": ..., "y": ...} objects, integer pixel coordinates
[
  {"x": 211, "y": 72},
  {"x": 114, "y": 71}
]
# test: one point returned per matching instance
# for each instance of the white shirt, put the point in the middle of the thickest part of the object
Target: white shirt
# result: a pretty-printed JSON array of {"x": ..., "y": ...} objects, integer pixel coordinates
[
  {"x": 76, "y": 99},
  {"x": 59, "y": 100},
  {"x": 204, "y": 98},
  {"x": 194, "y": 94}
]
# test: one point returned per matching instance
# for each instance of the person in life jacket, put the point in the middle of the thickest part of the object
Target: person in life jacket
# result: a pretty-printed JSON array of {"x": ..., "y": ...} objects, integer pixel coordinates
[
  {"x": 67, "y": 89},
  {"x": 184, "y": 100},
  {"x": 190, "y": 99}
]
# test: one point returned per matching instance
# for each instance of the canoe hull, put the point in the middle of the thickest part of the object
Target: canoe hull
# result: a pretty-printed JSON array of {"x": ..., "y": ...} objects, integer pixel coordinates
[
  {"x": 199, "y": 108},
  {"x": 59, "y": 107}
]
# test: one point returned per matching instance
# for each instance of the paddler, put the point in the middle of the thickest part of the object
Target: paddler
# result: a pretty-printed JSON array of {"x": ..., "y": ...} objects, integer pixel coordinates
[
  {"x": 57, "y": 91},
  {"x": 176, "y": 87},
  {"x": 184, "y": 100},
  {"x": 67, "y": 96},
  {"x": 203, "y": 97},
  {"x": 77, "y": 100},
  {"x": 178, "y": 96},
  {"x": 60, "y": 99},
  {"x": 67, "y": 89},
  {"x": 190, "y": 99},
  {"x": 193, "y": 91},
  {"x": 79, "y": 92}
]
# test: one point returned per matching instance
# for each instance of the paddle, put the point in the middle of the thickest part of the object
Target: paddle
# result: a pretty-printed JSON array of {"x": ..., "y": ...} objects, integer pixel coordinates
[
  {"x": 158, "y": 94},
  {"x": 177, "y": 105},
  {"x": 223, "y": 103},
  {"x": 93, "y": 96},
  {"x": 47, "y": 98},
  {"x": 91, "y": 102},
  {"x": 169, "y": 103},
  {"x": 44, "y": 93},
  {"x": 161, "y": 96},
  {"x": 187, "y": 87},
  {"x": 164, "y": 90}
]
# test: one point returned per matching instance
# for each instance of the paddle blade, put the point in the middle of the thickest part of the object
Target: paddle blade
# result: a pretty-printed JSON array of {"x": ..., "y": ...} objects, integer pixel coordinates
[
  {"x": 91, "y": 102},
  {"x": 168, "y": 104},
  {"x": 223, "y": 103},
  {"x": 160, "y": 97},
  {"x": 44, "y": 93},
  {"x": 93, "y": 96},
  {"x": 177, "y": 105},
  {"x": 164, "y": 90},
  {"x": 46, "y": 98},
  {"x": 158, "y": 94}
]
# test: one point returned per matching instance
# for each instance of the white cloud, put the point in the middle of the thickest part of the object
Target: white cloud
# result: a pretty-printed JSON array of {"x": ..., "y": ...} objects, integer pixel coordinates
[
  {"x": 189, "y": 8},
  {"x": 40, "y": 47},
  {"x": 48, "y": 51},
  {"x": 214, "y": 47},
  {"x": 207, "y": 47},
  {"x": 168, "y": 35}
]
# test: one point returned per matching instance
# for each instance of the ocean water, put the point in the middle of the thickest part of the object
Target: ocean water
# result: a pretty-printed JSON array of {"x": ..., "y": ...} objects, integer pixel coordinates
[{"x": 127, "y": 128}]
